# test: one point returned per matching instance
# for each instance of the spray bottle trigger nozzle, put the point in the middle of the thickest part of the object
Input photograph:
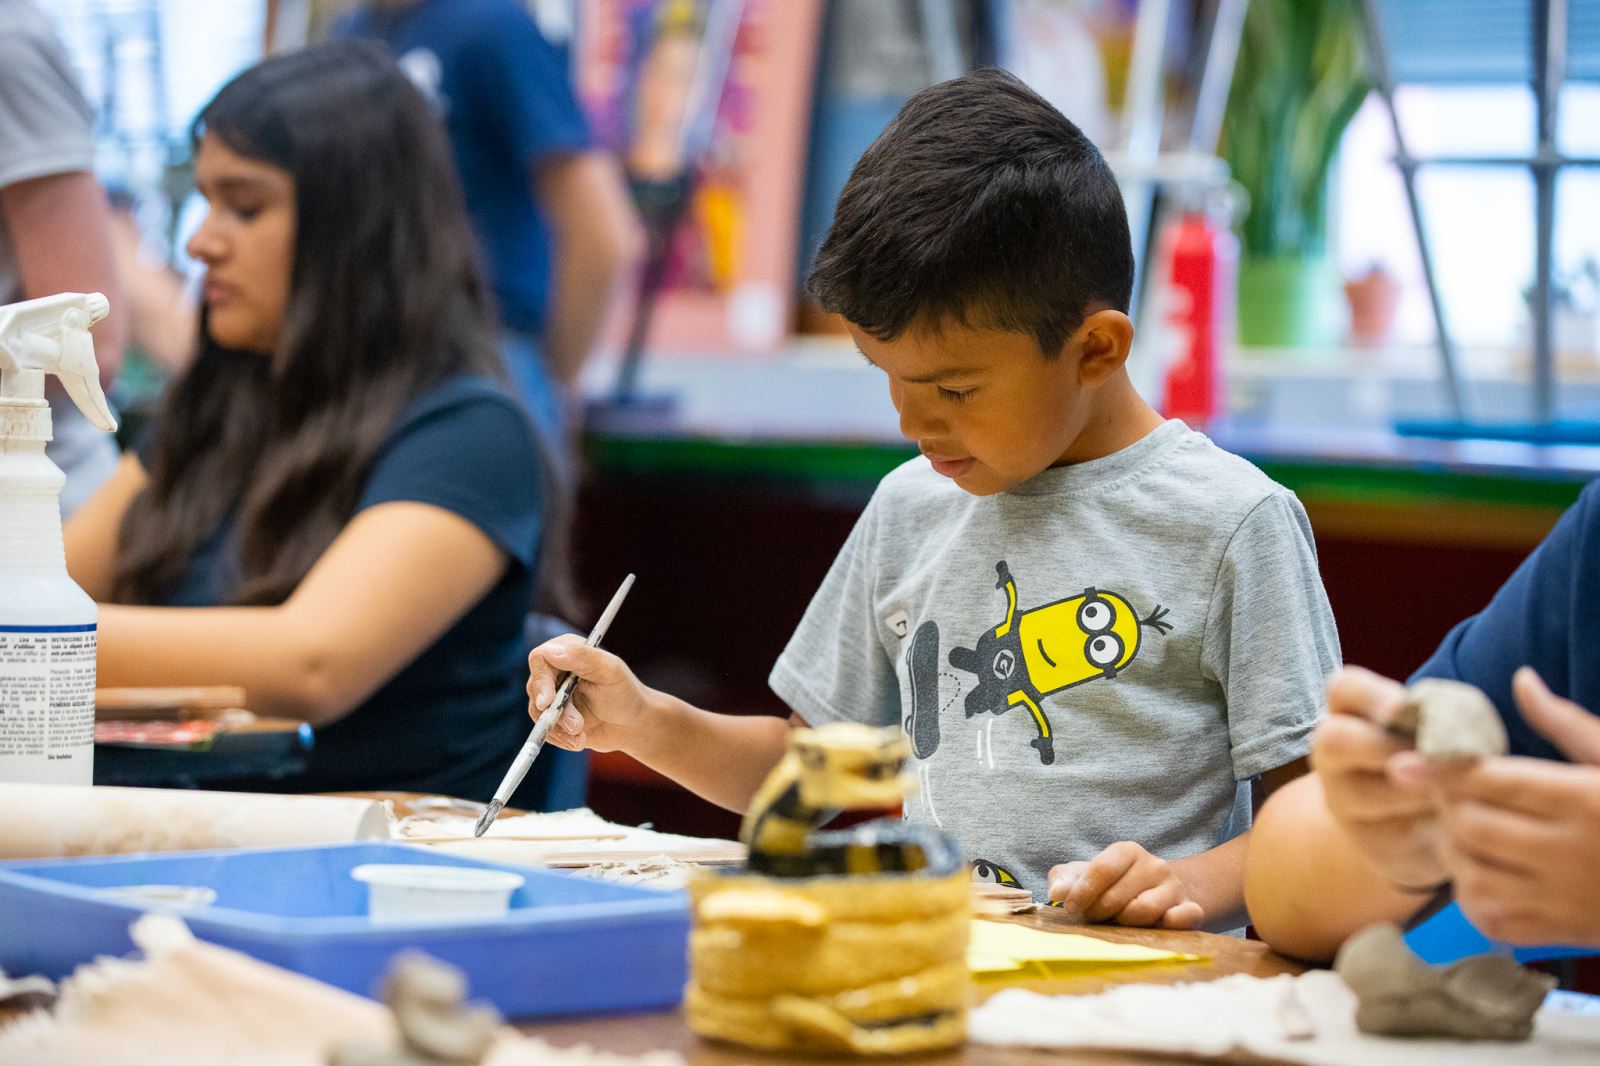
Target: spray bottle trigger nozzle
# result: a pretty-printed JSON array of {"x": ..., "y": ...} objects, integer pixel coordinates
[
  {"x": 80, "y": 376},
  {"x": 50, "y": 335}
]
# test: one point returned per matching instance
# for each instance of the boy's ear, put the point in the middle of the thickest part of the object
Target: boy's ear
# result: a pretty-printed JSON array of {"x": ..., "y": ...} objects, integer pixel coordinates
[{"x": 1103, "y": 342}]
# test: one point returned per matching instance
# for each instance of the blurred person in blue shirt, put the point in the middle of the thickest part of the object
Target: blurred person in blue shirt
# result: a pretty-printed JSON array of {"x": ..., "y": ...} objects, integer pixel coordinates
[
  {"x": 550, "y": 210},
  {"x": 1377, "y": 834}
]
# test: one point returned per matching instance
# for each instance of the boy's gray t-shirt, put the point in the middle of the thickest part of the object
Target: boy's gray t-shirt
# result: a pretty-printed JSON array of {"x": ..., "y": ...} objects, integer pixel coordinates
[{"x": 1170, "y": 627}]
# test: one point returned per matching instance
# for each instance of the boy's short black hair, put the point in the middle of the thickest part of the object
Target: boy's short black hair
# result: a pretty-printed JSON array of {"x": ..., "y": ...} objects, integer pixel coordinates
[{"x": 980, "y": 202}]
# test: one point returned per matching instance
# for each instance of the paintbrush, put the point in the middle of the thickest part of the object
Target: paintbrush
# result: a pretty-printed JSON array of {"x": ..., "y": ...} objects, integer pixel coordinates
[{"x": 541, "y": 728}]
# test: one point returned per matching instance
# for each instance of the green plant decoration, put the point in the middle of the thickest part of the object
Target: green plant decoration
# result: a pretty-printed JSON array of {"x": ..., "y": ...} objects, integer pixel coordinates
[{"x": 1300, "y": 77}]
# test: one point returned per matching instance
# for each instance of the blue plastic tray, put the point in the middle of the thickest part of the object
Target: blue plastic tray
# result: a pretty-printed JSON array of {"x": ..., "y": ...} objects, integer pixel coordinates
[{"x": 568, "y": 945}]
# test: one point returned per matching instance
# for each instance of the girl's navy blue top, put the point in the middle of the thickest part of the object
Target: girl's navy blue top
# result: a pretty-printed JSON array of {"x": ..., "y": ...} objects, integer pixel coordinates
[{"x": 452, "y": 719}]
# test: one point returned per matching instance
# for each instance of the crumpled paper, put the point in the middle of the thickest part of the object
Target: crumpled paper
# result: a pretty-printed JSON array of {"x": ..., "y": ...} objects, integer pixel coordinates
[
  {"x": 1308, "y": 1019},
  {"x": 659, "y": 871},
  {"x": 190, "y": 1003},
  {"x": 559, "y": 838}
]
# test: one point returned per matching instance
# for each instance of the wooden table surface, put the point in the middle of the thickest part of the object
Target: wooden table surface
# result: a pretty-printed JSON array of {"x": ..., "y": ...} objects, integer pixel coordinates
[
  {"x": 638, "y": 1033},
  {"x": 666, "y": 1031},
  {"x": 634, "y": 1034}
]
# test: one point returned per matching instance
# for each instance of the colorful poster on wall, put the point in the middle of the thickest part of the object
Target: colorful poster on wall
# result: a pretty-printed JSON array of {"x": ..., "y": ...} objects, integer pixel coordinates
[{"x": 719, "y": 90}]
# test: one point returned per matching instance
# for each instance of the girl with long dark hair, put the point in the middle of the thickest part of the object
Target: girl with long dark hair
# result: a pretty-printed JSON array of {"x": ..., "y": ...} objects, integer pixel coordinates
[{"x": 338, "y": 506}]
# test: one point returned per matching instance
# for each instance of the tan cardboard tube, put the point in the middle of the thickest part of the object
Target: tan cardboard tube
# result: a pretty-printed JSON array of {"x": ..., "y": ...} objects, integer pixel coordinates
[{"x": 50, "y": 821}]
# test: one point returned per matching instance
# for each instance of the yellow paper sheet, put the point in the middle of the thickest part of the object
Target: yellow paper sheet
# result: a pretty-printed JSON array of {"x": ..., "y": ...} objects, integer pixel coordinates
[{"x": 999, "y": 948}]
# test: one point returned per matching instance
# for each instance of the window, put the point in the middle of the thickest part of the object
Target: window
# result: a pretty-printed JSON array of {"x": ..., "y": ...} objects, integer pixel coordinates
[{"x": 1480, "y": 221}]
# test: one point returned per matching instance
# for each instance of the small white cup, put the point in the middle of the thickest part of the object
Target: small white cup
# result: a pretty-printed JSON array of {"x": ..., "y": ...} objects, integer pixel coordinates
[{"x": 409, "y": 892}]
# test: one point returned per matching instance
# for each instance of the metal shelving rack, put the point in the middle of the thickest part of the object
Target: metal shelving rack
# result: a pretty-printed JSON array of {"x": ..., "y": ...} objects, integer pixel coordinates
[{"x": 1549, "y": 40}]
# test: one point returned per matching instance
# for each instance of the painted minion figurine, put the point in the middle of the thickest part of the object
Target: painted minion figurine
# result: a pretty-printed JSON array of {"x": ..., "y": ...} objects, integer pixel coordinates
[{"x": 1042, "y": 650}]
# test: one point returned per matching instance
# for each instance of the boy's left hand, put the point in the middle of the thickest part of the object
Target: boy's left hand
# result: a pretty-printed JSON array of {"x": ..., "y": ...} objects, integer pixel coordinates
[
  {"x": 1127, "y": 885},
  {"x": 1522, "y": 836}
]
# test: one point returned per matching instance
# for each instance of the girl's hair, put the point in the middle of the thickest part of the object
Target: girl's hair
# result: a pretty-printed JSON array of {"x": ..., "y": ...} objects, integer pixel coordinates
[{"x": 385, "y": 301}]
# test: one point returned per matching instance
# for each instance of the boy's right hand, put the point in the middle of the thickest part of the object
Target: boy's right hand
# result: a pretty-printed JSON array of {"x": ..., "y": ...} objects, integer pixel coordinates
[
  {"x": 1395, "y": 825},
  {"x": 605, "y": 706}
]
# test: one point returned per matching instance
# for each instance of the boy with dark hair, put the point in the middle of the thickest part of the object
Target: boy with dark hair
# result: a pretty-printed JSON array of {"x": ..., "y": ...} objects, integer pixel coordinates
[{"x": 1096, "y": 627}]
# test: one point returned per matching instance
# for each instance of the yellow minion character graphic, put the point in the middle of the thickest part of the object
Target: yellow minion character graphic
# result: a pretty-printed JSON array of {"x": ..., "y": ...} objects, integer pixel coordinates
[{"x": 1045, "y": 649}]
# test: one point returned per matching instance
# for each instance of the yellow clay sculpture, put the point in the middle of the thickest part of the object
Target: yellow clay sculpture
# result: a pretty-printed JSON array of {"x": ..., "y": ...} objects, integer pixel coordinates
[{"x": 852, "y": 940}]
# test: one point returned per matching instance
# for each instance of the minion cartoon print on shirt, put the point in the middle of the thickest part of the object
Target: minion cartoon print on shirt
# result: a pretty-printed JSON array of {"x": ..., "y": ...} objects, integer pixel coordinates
[
  {"x": 1046, "y": 649},
  {"x": 987, "y": 873}
]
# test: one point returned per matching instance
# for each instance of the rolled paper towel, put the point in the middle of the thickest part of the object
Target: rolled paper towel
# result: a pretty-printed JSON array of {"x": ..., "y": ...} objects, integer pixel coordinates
[{"x": 51, "y": 821}]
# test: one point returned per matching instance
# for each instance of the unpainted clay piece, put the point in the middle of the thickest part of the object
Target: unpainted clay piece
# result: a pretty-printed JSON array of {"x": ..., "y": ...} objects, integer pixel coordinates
[
  {"x": 1485, "y": 997},
  {"x": 436, "y": 1028},
  {"x": 26, "y": 993},
  {"x": 1450, "y": 720}
]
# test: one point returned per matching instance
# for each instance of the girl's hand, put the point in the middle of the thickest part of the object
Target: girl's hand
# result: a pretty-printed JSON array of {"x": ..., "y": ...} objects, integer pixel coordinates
[
  {"x": 1392, "y": 819},
  {"x": 1522, "y": 836},
  {"x": 1127, "y": 885},
  {"x": 606, "y": 707}
]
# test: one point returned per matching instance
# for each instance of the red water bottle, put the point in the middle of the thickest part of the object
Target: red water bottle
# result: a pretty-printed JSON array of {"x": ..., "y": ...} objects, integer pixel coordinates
[{"x": 1203, "y": 268}]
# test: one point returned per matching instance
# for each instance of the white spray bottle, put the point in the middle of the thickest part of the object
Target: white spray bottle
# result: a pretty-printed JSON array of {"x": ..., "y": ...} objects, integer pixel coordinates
[{"x": 47, "y": 623}]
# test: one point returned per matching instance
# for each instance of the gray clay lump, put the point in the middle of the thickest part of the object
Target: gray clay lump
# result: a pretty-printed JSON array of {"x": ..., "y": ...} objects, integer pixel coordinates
[{"x": 1485, "y": 997}]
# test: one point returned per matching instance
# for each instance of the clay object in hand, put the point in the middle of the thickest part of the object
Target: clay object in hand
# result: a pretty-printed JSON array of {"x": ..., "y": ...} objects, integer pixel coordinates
[{"x": 1450, "y": 720}]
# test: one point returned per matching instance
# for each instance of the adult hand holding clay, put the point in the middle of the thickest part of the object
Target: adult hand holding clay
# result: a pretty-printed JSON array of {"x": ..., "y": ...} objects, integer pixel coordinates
[
  {"x": 1393, "y": 821},
  {"x": 1521, "y": 836},
  {"x": 1379, "y": 829}
]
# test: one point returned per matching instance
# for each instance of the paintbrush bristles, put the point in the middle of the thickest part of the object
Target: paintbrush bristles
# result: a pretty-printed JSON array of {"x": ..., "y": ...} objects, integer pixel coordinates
[{"x": 486, "y": 819}]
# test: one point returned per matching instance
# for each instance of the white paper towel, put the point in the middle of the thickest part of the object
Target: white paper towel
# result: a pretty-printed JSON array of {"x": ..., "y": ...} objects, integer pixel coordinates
[{"x": 1243, "y": 1017}]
